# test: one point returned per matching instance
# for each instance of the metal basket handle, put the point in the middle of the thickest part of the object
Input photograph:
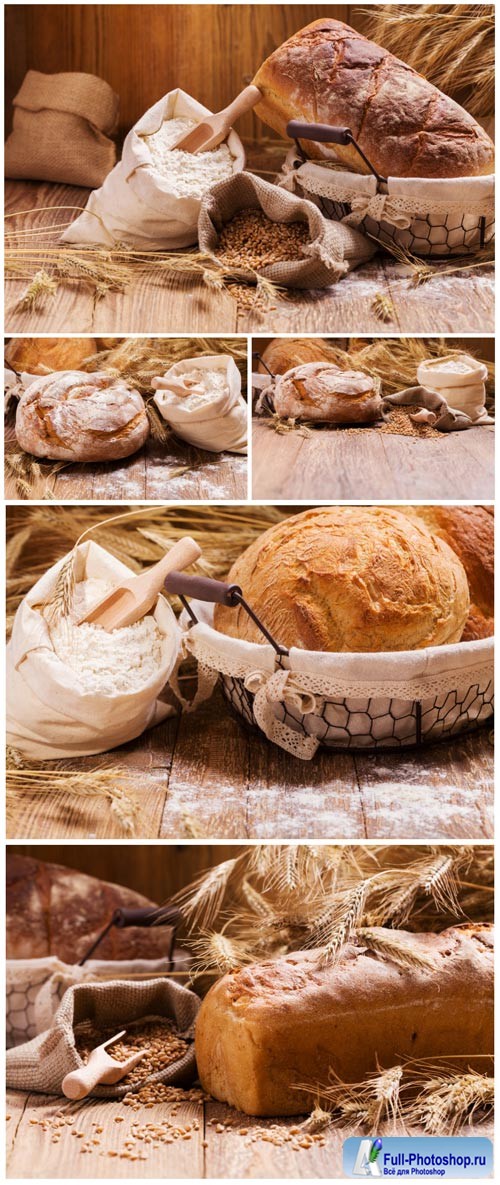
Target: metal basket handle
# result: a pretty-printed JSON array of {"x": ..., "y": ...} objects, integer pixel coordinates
[
  {"x": 324, "y": 133},
  {"x": 215, "y": 592}
]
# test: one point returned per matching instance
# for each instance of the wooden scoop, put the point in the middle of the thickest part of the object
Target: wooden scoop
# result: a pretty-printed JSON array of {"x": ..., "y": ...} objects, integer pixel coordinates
[
  {"x": 215, "y": 128},
  {"x": 132, "y": 599},
  {"x": 100, "y": 1068}
]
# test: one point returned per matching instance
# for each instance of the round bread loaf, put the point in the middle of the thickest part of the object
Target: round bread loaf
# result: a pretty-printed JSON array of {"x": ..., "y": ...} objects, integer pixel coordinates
[
  {"x": 324, "y": 392},
  {"x": 74, "y": 416},
  {"x": 37, "y": 355},
  {"x": 470, "y": 532},
  {"x": 284, "y": 352},
  {"x": 350, "y": 579}
]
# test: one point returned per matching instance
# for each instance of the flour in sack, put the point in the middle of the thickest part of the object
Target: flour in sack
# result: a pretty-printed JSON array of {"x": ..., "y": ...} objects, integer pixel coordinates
[
  {"x": 189, "y": 173},
  {"x": 109, "y": 662}
]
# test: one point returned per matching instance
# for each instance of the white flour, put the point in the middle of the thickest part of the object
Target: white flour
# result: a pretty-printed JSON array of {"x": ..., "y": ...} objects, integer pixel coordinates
[
  {"x": 212, "y": 382},
  {"x": 109, "y": 663},
  {"x": 189, "y": 174}
]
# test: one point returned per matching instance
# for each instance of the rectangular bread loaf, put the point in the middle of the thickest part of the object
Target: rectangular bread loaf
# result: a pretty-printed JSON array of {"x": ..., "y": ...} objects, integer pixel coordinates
[
  {"x": 270, "y": 1027},
  {"x": 329, "y": 73}
]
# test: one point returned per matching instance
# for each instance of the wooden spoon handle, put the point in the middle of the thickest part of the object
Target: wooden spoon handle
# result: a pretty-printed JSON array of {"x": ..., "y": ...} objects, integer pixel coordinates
[
  {"x": 79, "y": 1083},
  {"x": 183, "y": 553},
  {"x": 242, "y": 103}
]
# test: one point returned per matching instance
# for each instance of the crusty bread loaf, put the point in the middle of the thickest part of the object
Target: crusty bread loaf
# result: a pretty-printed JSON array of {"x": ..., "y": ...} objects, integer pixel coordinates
[
  {"x": 470, "y": 531},
  {"x": 329, "y": 73},
  {"x": 268, "y": 1028},
  {"x": 345, "y": 578},
  {"x": 53, "y": 910},
  {"x": 282, "y": 353},
  {"x": 323, "y": 392},
  {"x": 37, "y": 355},
  {"x": 74, "y": 416}
]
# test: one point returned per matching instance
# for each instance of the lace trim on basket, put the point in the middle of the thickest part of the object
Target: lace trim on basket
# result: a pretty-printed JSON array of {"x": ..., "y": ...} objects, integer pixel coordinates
[{"x": 397, "y": 210}]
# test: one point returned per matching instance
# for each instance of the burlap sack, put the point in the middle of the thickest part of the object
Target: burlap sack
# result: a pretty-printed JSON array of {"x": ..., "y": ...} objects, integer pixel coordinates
[
  {"x": 436, "y": 410},
  {"x": 42, "y": 1063},
  {"x": 35, "y": 987},
  {"x": 62, "y": 124},
  {"x": 332, "y": 251}
]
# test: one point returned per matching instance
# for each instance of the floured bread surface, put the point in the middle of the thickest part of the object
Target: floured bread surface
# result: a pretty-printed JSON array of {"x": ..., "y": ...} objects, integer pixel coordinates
[
  {"x": 107, "y": 662},
  {"x": 350, "y": 579},
  {"x": 74, "y": 416},
  {"x": 270, "y": 1028},
  {"x": 323, "y": 391}
]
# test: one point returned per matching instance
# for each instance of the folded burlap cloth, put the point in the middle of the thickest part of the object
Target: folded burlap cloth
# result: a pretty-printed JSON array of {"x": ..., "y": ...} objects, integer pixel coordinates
[
  {"x": 61, "y": 127},
  {"x": 41, "y": 1064},
  {"x": 332, "y": 251},
  {"x": 435, "y": 410}
]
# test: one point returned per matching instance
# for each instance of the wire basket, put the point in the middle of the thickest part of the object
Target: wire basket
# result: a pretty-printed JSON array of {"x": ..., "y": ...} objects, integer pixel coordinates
[
  {"x": 423, "y": 217},
  {"x": 303, "y": 700}
]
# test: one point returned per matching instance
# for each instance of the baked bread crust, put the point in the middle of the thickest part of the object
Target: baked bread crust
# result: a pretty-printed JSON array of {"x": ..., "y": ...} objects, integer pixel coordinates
[
  {"x": 273, "y": 1026},
  {"x": 74, "y": 416},
  {"x": 324, "y": 392},
  {"x": 470, "y": 532},
  {"x": 329, "y": 73},
  {"x": 349, "y": 579},
  {"x": 52, "y": 910},
  {"x": 36, "y": 355}
]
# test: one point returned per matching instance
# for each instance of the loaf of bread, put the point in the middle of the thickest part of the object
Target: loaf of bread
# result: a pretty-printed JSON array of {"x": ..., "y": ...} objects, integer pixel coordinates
[
  {"x": 269, "y": 1028},
  {"x": 329, "y": 73},
  {"x": 323, "y": 392},
  {"x": 74, "y": 416},
  {"x": 345, "y": 578},
  {"x": 470, "y": 532},
  {"x": 38, "y": 355},
  {"x": 53, "y": 910},
  {"x": 282, "y": 353}
]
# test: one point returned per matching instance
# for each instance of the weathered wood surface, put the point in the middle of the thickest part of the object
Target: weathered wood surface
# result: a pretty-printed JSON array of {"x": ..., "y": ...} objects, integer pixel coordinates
[
  {"x": 167, "y": 472},
  {"x": 153, "y": 303},
  {"x": 366, "y": 463},
  {"x": 208, "y": 776}
]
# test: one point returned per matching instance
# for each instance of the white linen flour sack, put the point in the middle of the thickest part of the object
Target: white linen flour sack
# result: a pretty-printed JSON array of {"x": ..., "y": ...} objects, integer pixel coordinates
[
  {"x": 152, "y": 197},
  {"x": 79, "y": 689},
  {"x": 201, "y": 400}
]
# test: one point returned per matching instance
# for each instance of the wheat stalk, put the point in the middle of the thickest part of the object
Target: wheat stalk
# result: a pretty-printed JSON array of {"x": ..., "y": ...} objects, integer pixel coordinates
[{"x": 24, "y": 785}]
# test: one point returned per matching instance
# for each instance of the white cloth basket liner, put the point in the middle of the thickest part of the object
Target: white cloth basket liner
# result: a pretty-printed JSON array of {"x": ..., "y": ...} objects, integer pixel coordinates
[{"x": 431, "y": 216}]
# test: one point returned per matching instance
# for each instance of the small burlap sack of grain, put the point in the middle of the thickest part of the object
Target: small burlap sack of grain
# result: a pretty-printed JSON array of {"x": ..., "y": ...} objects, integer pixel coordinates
[
  {"x": 34, "y": 988},
  {"x": 61, "y": 130},
  {"x": 152, "y": 197},
  {"x": 210, "y": 412},
  {"x": 329, "y": 251},
  {"x": 42, "y": 1063},
  {"x": 71, "y": 694}
]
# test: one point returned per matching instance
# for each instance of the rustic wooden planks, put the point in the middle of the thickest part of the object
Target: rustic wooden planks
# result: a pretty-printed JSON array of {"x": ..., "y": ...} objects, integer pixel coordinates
[
  {"x": 166, "y": 472},
  {"x": 370, "y": 464},
  {"x": 236, "y": 1151},
  {"x": 206, "y": 776}
]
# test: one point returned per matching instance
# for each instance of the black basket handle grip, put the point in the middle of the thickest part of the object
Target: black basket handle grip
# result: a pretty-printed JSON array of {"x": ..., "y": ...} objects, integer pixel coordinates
[
  {"x": 167, "y": 915},
  {"x": 203, "y": 589},
  {"x": 323, "y": 133}
]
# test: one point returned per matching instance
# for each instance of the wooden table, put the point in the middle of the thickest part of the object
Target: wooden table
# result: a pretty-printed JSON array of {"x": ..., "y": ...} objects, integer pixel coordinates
[
  {"x": 171, "y": 471},
  {"x": 460, "y": 303},
  {"x": 206, "y": 775},
  {"x": 367, "y": 463},
  {"x": 208, "y": 1154}
]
